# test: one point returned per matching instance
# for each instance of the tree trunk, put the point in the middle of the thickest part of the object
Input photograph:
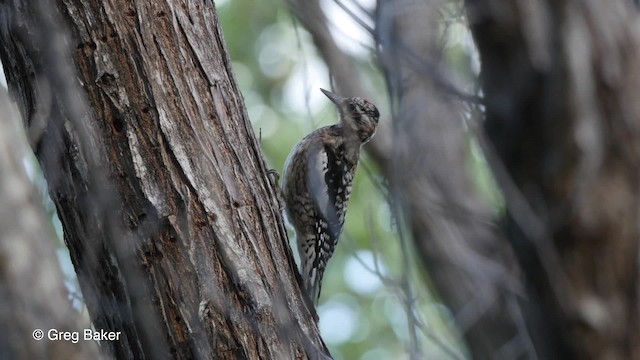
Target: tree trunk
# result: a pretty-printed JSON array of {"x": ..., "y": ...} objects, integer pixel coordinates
[
  {"x": 168, "y": 212},
  {"x": 561, "y": 81}
]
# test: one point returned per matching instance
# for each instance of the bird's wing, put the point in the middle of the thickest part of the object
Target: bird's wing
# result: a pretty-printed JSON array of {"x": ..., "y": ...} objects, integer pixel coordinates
[
  {"x": 329, "y": 182},
  {"x": 329, "y": 179}
]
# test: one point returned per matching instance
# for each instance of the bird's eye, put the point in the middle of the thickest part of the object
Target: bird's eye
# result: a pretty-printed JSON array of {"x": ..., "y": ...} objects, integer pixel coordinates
[{"x": 351, "y": 108}]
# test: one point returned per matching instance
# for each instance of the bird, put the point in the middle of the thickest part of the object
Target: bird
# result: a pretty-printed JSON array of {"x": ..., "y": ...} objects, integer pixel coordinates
[{"x": 317, "y": 181}]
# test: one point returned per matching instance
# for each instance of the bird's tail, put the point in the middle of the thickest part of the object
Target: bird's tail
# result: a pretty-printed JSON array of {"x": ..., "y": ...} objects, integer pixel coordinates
[{"x": 313, "y": 285}]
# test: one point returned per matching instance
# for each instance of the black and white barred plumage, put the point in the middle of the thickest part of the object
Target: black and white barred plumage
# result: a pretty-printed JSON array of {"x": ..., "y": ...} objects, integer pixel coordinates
[{"x": 317, "y": 184}]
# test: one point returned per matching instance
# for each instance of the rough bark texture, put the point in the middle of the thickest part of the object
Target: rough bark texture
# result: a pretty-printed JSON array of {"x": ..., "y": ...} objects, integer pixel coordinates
[
  {"x": 171, "y": 220},
  {"x": 561, "y": 81}
]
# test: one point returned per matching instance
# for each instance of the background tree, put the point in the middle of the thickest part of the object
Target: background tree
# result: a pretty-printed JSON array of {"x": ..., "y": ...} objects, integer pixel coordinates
[{"x": 558, "y": 79}]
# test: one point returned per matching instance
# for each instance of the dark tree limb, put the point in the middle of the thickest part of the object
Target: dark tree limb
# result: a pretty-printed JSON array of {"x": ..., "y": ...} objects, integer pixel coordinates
[{"x": 561, "y": 80}]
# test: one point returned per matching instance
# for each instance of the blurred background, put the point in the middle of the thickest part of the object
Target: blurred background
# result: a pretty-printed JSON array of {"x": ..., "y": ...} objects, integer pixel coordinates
[{"x": 375, "y": 302}]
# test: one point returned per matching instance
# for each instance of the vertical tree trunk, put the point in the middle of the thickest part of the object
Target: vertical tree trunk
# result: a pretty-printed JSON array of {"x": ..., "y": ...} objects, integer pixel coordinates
[
  {"x": 171, "y": 220},
  {"x": 561, "y": 81}
]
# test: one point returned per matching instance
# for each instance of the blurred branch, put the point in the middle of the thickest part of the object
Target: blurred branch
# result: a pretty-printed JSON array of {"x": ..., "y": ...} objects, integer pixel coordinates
[
  {"x": 345, "y": 74},
  {"x": 355, "y": 17},
  {"x": 464, "y": 254},
  {"x": 32, "y": 294},
  {"x": 404, "y": 293},
  {"x": 562, "y": 137}
]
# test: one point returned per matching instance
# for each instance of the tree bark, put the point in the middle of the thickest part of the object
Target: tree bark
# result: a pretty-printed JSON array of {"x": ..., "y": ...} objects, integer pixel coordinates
[
  {"x": 169, "y": 214},
  {"x": 32, "y": 292},
  {"x": 561, "y": 80}
]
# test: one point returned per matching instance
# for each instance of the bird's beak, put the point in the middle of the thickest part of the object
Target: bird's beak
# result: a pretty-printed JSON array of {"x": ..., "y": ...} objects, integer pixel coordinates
[{"x": 333, "y": 97}]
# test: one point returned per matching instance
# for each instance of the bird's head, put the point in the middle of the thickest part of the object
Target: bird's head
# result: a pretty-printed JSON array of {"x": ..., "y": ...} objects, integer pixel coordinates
[{"x": 356, "y": 114}]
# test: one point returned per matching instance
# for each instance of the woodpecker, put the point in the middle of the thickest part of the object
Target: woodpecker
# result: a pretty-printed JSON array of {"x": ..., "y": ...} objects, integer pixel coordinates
[{"x": 318, "y": 175}]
